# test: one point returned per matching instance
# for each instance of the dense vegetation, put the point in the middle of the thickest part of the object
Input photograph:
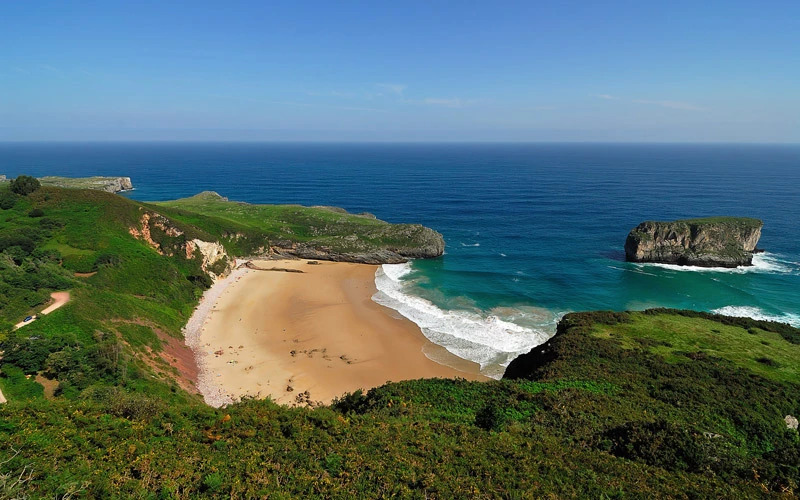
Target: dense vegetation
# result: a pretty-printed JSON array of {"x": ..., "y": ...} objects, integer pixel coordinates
[
  {"x": 653, "y": 404},
  {"x": 24, "y": 185}
]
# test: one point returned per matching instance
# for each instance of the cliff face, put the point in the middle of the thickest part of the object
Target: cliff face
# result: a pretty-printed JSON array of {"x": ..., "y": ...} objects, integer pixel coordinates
[
  {"x": 402, "y": 242},
  {"x": 163, "y": 236},
  {"x": 711, "y": 242}
]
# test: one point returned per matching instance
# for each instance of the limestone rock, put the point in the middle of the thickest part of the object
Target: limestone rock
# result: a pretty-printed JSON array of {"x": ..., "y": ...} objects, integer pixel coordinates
[
  {"x": 161, "y": 234},
  {"x": 791, "y": 422},
  {"x": 709, "y": 242},
  {"x": 215, "y": 260}
]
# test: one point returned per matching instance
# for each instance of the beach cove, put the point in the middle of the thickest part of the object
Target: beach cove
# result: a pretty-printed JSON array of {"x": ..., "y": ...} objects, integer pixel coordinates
[{"x": 306, "y": 337}]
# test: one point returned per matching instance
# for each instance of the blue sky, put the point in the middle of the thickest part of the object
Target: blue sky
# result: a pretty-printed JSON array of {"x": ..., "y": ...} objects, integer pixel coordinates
[{"x": 401, "y": 71}]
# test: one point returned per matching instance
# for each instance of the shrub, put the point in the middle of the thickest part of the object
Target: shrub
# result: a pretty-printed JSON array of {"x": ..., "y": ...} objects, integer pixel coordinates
[
  {"x": 768, "y": 361},
  {"x": 7, "y": 200},
  {"x": 107, "y": 260},
  {"x": 490, "y": 417},
  {"x": 36, "y": 212},
  {"x": 48, "y": 223},
  {"x": 213, "y": 482},
  {"x": 25, "y": 185}
]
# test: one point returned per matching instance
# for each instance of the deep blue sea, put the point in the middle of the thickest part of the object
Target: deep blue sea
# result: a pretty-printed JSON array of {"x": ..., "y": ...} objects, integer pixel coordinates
[{"x": 532, "y": 231}]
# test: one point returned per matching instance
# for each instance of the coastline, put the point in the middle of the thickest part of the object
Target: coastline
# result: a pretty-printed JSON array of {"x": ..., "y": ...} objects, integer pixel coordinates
[
  {"x": 306, "y": 337},
  {"x": 192, "y": 334}
]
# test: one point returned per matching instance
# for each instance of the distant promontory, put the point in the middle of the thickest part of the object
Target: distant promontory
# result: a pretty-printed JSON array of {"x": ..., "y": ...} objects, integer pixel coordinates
[
  {"x": 108, "y": 184},
  {"x": 707, "y": 242}
]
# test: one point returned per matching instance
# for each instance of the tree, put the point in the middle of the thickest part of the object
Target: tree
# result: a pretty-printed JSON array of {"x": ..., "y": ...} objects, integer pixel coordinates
[{"x": 25, "y": 185}]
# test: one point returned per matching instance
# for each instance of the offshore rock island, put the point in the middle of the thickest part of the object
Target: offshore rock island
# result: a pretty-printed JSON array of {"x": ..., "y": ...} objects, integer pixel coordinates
[{"x": 708, "y": 242}]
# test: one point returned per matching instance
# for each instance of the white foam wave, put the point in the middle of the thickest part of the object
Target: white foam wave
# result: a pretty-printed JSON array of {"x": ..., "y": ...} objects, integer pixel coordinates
[
  {"x": 762, "y": 263},
  {"x": 470, "y": 244},
  {"x": 758, "y": 313},
  {"x": 489, "y": 340},
  {"x": 503, "y": 255}
]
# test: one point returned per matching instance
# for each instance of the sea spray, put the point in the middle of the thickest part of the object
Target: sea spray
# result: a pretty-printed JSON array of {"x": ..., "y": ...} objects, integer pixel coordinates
[
  {"x": 758, "y": 314},
  {"x": 763, "y": 263},
  {"x": 487, "y": 339}
]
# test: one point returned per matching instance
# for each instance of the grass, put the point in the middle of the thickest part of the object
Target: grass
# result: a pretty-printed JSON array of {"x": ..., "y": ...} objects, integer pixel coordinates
[
  {"x": 673, "y": 336},
  {"x": 739, "y": 221}
]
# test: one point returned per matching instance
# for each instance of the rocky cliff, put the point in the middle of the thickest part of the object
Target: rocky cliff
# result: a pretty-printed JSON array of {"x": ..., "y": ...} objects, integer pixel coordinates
[
  {"x": 398, "y": 244},
  {"x": 709, "y": 242},
  {"x": 167, "y": 239}
]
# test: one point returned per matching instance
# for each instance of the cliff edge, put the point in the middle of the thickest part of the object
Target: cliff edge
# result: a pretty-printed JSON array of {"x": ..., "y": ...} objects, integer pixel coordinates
[{"x": 708, "y": 242}]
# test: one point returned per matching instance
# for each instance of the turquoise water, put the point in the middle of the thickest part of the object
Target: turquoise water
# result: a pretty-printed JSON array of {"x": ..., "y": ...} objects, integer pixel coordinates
[{"x": 532, "y": 231}]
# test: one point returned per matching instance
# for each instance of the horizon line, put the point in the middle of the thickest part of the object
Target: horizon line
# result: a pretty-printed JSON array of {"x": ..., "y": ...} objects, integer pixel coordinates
[{"x": 367, "y": 141}]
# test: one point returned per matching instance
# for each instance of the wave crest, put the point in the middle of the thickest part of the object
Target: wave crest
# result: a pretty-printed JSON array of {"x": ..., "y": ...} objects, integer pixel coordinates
[
  {"x": 762, "y": 263},
  {"x": 758, "y": 314},
  {"x": 492, "y": 341}
]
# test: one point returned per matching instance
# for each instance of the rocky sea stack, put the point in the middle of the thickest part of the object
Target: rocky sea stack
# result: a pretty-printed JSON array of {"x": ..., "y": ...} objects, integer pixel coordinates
[{"x": 708, "y": 242}]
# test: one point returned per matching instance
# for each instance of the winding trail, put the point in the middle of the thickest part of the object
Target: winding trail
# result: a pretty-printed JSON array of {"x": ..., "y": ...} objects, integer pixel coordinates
[{"x": 60, "y": 299}]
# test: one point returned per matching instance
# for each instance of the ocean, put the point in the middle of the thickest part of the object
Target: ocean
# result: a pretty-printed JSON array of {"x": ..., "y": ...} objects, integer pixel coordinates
[{"x": 533, "y": 231}]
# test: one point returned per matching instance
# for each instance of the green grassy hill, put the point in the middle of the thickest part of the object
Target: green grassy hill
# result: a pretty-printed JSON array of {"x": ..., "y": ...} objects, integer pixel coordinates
[{"x": 651, "y": 404}]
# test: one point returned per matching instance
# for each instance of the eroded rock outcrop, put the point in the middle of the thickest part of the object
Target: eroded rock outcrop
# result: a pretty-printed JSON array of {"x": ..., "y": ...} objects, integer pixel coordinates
[
  {"x": 215, "y": 260},
  {"x": 709, "y": 242},
  {"x": 167, "y": 239},
  {"x": 401, "y": 243}
]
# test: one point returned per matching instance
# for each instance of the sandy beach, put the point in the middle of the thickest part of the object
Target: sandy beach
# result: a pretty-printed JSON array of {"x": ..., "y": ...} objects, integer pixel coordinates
[{"x": 307, "y": 336}]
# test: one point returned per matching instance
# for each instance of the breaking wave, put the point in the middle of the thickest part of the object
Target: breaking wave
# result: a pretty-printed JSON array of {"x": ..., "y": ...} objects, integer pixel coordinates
[
  {"x": 759, "y": 314},
  {"x": 492, "y": 340},
  {"x": 762, "y": 263}
]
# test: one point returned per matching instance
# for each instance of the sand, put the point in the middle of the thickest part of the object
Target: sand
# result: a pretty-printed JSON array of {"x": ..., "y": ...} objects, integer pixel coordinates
[{"x": 308, "y": 337}]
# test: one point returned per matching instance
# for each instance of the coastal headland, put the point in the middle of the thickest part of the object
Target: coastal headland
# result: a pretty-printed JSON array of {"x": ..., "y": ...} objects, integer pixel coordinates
[
  {"x": 107, "y": 184},
  {"x": 305, "y": 332}
]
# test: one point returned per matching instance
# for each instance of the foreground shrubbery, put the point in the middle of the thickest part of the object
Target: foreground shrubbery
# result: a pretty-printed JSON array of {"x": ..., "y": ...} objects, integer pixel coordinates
[{"x": 599, "y": 418}]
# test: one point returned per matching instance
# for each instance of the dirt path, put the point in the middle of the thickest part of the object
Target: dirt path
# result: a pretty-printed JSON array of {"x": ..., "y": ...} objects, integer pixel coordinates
[{"x": 60, "y": 299}]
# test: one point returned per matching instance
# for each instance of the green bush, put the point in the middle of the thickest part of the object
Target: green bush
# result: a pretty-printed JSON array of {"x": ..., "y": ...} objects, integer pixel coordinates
[
  {"x": 25, "y": 185},
  {"x": 7, "y": 200},
  {"x": 213, "y": 482}
]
